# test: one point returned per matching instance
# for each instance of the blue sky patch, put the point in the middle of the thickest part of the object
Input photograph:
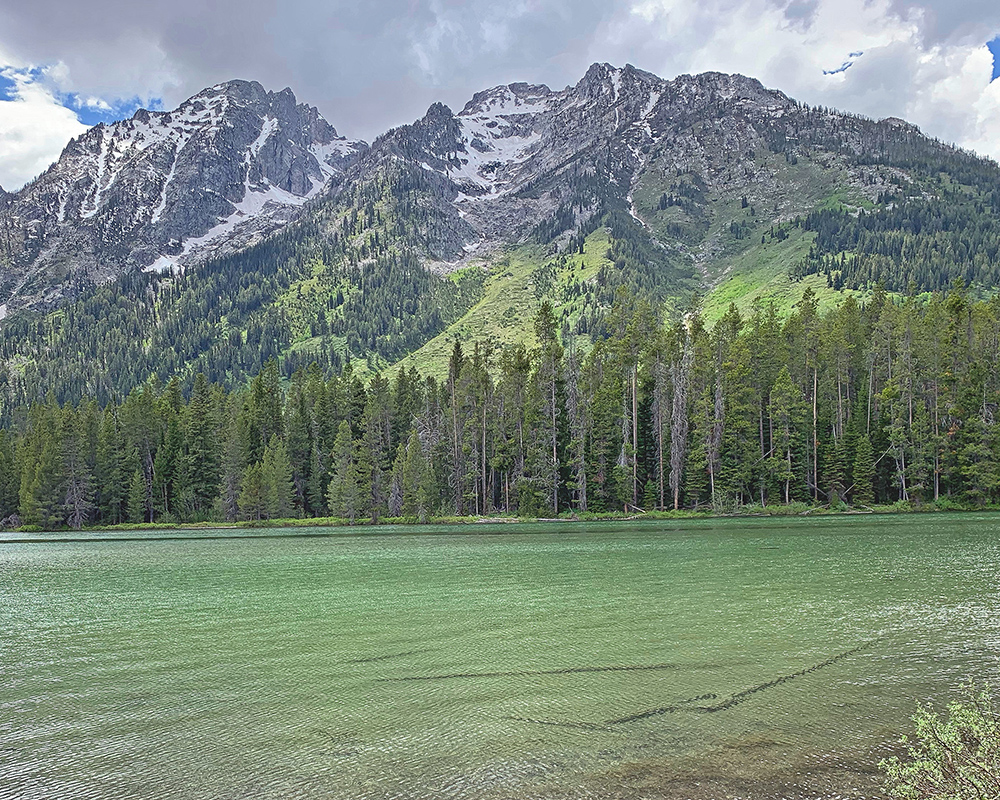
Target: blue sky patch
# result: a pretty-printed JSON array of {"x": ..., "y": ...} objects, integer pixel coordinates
[
  {"x": 995, "y": 49},
  {"x": 94, "y": 110},
  {"x": 846, "y": 65},
  {"x": 7, "y": 88},
  {"x": 10, "y": 77},
  {"x": 89, "y": 110}
]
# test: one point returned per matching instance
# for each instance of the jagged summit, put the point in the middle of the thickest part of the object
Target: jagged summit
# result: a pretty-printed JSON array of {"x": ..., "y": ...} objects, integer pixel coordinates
[
  {"x": 511, "y": 98},
  {"x": 161, "y": 189},
  {"x": 621, "y": 182},
  {"x": 516, "y": 155}
]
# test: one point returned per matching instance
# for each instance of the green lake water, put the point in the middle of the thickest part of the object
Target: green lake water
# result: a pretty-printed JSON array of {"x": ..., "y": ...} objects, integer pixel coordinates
[{"x": 726, "y": 658}]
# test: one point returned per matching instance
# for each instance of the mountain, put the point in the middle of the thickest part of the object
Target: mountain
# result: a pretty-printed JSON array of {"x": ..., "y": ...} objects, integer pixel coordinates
[
  {"x": 707, "y": 189},
  {"x": 162, "y": 190}
]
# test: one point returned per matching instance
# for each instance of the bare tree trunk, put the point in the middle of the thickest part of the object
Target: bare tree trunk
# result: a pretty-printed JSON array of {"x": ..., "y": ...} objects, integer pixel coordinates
[
  {"x": 555, "y": 442},
  {"x": 635, "y": 435},
  {"x": 716, "y": 440},
  {"x": 937, "y": 448}
]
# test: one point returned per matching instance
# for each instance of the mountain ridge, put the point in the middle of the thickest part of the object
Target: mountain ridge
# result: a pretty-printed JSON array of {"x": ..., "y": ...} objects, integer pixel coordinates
[
  {"x": 707, "y": 184},
  {"x": 151, "y": 191}
]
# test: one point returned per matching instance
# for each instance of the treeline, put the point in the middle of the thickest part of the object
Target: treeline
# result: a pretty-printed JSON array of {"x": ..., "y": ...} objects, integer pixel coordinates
[{"x": 876, "y": 403}]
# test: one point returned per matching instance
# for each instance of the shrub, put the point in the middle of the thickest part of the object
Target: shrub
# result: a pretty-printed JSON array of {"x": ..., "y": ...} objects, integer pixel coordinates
[{"x": 957, "y": 757}]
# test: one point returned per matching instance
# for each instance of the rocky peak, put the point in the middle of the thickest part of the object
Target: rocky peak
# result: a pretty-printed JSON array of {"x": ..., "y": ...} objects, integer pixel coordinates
[
  {"x": 164, "y": 188},
  {"x": 514, "y": 98},
  {"x": 735, "y": 90},
  {"x": 432, "y": 140},
  {"x": 895, "y": 123},
  {"x": 607, "y": 81}
]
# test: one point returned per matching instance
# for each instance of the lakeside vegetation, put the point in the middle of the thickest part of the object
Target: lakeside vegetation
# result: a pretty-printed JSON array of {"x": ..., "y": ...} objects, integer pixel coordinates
[
  {"x": 955, "y": 756},
  {"x": 876, "y": 404}
]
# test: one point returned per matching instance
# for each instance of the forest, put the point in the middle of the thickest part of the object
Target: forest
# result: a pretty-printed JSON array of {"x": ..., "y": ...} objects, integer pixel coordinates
[{"x": 890, "y": 401}]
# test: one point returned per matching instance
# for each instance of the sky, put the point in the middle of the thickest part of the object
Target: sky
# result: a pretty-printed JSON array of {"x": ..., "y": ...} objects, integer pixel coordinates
[{"x": 368, "y": 66}]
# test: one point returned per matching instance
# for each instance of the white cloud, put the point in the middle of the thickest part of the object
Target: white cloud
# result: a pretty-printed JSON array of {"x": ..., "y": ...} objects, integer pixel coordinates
[
  {"x": 95, "y": 103},
  {"x": 34, "y": 128}
]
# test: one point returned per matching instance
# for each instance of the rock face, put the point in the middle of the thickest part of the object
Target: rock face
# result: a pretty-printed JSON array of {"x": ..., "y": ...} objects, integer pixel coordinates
[
  {"x": 163, "y": 189},
  {"x": 518, "y": 155}
]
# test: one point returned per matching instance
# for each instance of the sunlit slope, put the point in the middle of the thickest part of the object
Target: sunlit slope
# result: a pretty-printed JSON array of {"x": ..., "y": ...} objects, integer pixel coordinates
[{"x": 516, "y": 285}]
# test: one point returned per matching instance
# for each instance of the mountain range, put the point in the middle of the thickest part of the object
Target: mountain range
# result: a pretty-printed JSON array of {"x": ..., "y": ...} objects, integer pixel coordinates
[{"x": 241, "y": 227}]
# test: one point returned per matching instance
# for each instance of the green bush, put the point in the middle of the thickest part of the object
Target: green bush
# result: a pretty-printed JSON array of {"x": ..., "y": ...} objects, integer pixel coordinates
[
  {"x": 947, "y": 504},
  {"x": 957, "y": 757}
]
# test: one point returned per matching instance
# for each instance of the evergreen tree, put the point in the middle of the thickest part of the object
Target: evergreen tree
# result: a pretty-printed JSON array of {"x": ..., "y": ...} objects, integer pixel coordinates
[
  {"x": 864, "y": 472},
  {"x": 203, "y": 458},
  {"x": 344, "y": 495},
  {"x": 77, "y": 480},
  {"x": 8, "y": 478},
  {"x": 253, "y": 498},
  {"x": 137, "y": 498},
  {"x": 277, "y": 486},
  {"x": 110, "y": 476}
]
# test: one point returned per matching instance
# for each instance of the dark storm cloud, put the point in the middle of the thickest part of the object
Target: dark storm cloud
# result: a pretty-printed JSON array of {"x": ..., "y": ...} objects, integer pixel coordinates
[{"x": 366, "y": 65}]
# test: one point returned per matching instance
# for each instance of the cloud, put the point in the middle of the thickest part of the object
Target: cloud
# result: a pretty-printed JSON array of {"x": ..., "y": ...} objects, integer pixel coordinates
[
  {"x": 38, "y": 117},
  {"x": 366, "y": 65},
  {"x": 949, "y": 22},
  {"x": 34, "y": 126},
  {"x": 378, "y": 64}
]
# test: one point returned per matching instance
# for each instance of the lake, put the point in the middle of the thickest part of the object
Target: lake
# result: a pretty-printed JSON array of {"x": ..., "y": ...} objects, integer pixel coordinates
[{"x": 711, "y": 658}]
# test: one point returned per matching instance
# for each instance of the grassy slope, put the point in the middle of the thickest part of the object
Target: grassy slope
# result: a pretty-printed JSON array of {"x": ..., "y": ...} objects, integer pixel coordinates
[
  {"x": 744, "y": 271},
  {"x": 760, "y": 274},
  {"x": 510, "y": 301}
]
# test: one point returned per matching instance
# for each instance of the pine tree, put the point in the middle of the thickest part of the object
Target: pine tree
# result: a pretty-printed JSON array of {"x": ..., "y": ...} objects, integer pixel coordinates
[
  {"x": 77, "y": 480},
  {"x": 863, "y": 493},
  {"x": 253, "y": 498},
  {"x": 202, "y": 469},
  {"x": 546, "y": 410},
  {"x": 396, "y": 483},
  {"x": 137, "y": 498},
  {"x": 417, "y": 480},
  {"x": 8, "y": 477},
  {"x": 277, "y": 485},
  {"x": 110, "y": 476},
  {"x": 344, "y": 494},
  {"x": 232, "y": 468}
]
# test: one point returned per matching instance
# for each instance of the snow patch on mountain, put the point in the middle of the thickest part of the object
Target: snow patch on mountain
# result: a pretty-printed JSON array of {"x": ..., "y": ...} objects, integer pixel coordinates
[
  {"x": 498, "y": 133},
  {"x": 102, "y": 168},
  {"x": 162, "y": 205}
]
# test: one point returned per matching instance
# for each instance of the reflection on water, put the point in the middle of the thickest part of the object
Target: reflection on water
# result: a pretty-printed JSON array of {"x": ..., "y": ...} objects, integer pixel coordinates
[{"x": 711, "y": 659}]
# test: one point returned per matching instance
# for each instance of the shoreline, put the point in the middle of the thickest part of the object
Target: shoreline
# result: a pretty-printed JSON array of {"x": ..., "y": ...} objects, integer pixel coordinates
[{"x": 799, "y": 511}]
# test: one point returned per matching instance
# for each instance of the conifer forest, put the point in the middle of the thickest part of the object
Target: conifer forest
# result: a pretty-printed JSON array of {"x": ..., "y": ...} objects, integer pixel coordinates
[{"x": 888, "y": 401}]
